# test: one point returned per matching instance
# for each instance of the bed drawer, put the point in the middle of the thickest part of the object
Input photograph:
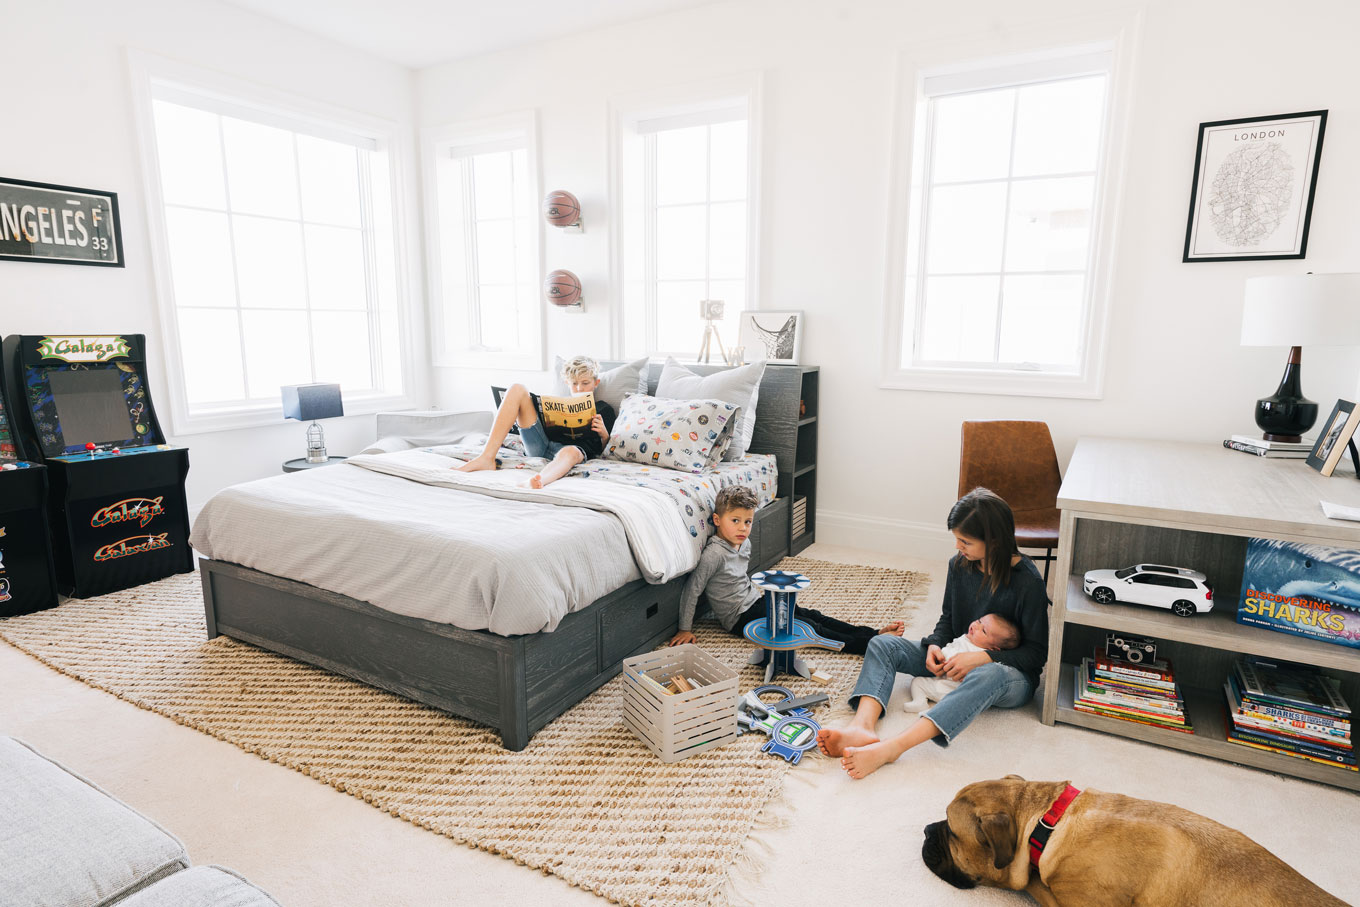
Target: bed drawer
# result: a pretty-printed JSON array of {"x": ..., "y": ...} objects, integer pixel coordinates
[{"x": 636, "y": 620}]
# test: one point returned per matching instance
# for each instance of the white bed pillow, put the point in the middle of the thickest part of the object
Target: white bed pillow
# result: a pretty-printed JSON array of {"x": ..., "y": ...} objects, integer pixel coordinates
[
  {"x": 615, "y": 383},
  {"x": 739, "y": 386},
  {"x": 687, "y": 435}
]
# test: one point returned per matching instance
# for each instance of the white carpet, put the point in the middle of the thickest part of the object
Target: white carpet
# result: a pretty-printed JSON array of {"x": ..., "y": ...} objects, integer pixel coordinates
[{"x": 845, "y": 840}]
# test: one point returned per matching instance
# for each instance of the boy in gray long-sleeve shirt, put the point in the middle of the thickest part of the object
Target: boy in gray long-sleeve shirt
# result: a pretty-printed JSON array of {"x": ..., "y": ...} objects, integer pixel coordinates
[{"x": 722, "y": 575}]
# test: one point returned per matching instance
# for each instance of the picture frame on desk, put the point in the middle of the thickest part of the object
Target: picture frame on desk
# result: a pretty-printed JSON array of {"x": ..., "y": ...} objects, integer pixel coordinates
[{"x": 1334, "y": 438}]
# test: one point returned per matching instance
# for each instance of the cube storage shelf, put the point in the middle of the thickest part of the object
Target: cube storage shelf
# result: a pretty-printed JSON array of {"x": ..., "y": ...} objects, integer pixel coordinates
[
  {"x": 801, "y": 486},
  {"x": 1189, "y": 505}
]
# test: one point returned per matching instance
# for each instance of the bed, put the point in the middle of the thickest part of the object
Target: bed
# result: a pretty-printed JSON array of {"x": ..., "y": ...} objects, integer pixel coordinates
[{"x": 514, "y": 671}]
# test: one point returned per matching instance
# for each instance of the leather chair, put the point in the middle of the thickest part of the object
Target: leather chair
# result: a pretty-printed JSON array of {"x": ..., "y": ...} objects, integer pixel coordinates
[{"x": 1017, "y": 461}]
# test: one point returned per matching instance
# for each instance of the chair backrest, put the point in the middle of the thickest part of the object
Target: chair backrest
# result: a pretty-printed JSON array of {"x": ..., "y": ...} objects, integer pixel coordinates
[{"x": 1014, "y": 459}]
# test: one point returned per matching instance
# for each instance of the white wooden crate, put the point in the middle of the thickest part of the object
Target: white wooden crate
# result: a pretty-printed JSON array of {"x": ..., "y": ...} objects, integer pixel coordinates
[{"x": 683, "y": 724}]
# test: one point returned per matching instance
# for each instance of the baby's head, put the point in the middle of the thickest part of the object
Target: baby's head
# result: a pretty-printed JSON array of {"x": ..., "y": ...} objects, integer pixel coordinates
[
  {"x": 582, "y": 374},
  {"x": 993, "y": 632},
  {"x": 733, "y": 513}
]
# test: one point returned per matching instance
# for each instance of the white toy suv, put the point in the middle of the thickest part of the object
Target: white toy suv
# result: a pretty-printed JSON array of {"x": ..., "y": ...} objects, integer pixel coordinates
[{"x": 1185, "y": 592}]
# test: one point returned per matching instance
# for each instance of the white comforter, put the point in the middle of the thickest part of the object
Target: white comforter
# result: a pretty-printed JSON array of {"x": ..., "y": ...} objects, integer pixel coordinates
[{"x": 480, "y": 551}]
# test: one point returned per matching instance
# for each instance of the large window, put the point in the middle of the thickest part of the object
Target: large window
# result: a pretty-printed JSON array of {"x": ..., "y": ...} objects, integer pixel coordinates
[
  {"x": 685, "y": 183},
  {"x": 1003, "y": 281},
  {"x": 483, "y": 244},
  {"x": 277, "y": 253}
]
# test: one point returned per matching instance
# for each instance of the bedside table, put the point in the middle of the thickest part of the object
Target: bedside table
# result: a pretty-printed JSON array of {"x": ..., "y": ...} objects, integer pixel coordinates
[{"x": 301, "y": 463}]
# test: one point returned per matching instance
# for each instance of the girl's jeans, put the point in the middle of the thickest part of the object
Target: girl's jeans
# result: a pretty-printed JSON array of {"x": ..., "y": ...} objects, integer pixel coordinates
[{"x": 986, "y": 685}]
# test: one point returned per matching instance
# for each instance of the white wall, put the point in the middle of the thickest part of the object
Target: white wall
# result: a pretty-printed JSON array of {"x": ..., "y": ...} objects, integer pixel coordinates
[
  {"x": 1174, "y": 369},
  {"x": 67, "y": 118}
]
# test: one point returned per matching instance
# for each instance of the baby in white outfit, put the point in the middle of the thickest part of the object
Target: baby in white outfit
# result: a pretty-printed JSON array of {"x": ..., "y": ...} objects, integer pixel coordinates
[{"x": 989, "y": 633}]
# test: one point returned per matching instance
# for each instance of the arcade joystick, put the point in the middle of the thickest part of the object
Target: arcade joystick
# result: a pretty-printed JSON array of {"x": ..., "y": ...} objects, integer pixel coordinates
[
  {"x": 89, "y": 448},
  {"x": 116, "y": 451}
]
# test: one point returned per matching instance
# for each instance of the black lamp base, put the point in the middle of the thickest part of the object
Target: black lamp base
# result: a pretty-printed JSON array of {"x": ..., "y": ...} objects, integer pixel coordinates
[{"x": 1287, "y": 414}]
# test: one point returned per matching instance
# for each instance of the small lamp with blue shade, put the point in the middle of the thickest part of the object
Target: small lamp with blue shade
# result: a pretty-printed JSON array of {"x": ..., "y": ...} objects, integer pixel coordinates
[{"x": 308, "y": 403}]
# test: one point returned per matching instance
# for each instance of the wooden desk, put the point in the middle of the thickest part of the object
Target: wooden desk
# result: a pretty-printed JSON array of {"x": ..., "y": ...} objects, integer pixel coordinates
[{"x": 1189, "y": 505}]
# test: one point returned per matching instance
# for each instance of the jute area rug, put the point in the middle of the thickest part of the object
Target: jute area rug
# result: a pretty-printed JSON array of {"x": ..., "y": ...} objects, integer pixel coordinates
[{"x": 586, "y": 801}]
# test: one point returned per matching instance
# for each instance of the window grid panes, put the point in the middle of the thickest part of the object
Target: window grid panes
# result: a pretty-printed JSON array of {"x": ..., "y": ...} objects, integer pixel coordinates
[
  {"x": 271, "y": 243},
  {"x": 1002, "y": 241},
  {"x": 499, "y": 270},
  {"x": 693, "y": 240}
]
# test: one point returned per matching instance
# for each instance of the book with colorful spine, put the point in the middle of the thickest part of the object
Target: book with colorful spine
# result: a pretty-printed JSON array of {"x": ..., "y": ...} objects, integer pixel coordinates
[
  {"x": 1290, "y": 709},
  {"x": 1126, "y": 692}
]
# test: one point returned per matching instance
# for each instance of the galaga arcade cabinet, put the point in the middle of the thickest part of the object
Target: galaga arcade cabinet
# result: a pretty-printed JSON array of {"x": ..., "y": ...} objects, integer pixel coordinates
[
  {"x": 117, "y": 508},
  {"x": 28, "y": 581}
]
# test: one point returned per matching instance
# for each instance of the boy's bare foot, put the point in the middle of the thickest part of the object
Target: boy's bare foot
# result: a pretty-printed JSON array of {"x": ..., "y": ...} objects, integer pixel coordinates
[
  {"x": 536, "y": 481},
  {"x": 833, "y": 741},
  {"x": 477, "y": 463},
  {"x": 862, "y": 761},
  {"x": 895, "y": 628}
]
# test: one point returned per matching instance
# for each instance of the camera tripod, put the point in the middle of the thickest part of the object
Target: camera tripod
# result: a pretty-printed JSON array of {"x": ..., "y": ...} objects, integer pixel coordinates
[{"x": 710, "y": 337}]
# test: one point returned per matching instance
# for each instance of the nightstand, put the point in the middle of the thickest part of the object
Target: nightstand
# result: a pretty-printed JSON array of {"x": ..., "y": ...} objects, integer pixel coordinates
[{"x": 301, "y": 463}]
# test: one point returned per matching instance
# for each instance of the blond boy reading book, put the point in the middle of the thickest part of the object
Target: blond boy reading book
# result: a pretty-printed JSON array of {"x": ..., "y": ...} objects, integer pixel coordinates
[{"x": 572, "y": 430}]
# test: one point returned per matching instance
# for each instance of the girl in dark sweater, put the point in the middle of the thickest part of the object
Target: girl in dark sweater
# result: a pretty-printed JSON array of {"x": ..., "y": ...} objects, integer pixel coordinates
[{"x": 987, "y": 576}]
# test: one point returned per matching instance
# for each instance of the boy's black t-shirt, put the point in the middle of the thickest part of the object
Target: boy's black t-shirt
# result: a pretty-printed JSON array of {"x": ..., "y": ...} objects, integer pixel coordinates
[{"x": 590, "y": 443}]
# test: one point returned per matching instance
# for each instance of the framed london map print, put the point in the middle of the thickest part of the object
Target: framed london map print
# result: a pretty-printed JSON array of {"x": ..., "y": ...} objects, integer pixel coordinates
[{"x": 1252, "y": 194}]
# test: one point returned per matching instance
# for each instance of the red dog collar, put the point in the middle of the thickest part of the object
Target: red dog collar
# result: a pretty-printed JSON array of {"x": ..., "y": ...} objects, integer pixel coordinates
[{"x": 1039, "y": 838}]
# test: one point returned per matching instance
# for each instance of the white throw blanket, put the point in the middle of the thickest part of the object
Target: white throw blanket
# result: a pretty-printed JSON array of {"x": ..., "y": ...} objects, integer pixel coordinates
[{"x": 660, "y": 541}]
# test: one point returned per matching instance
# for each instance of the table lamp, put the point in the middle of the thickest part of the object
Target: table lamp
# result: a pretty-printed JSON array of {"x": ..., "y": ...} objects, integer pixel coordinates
[
  {"x": 308, "y": 403},
  {"x": 1297, "y": 311}
]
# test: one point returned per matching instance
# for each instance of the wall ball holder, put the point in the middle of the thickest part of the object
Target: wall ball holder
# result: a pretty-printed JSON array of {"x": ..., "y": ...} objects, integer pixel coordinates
[
  {"x": 561, "y": 209},
  {"x": 563, "y": 289}
]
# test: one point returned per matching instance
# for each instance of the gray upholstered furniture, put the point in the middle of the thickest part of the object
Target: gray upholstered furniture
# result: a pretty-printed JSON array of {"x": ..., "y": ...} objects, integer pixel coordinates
[
  {"x": 516, "y": 684},
  {"x": 66, "y": 843}
]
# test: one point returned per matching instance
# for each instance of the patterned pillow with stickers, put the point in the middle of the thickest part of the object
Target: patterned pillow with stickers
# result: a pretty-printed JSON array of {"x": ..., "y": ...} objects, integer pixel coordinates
[{"x": 685, "y": 435}]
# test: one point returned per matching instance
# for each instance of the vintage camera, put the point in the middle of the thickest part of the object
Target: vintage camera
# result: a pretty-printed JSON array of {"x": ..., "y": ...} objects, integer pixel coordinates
[
  {"x": 1133, "y": 649},
  {"x": 711, "y": 309}
]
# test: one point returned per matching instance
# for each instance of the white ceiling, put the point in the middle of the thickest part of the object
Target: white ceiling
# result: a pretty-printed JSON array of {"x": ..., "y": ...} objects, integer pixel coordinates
[{"x": 418, "y": 33}]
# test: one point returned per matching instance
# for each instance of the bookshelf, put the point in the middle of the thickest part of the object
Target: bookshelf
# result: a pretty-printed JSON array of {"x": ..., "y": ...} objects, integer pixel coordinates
[
  {"x": 1189, "y": 505},
  {"x": 802, "y": 489}
]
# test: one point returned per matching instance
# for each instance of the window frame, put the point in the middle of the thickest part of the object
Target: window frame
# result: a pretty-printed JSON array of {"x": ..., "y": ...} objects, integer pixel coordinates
[
  {"x": 1115, "y": 34},
  {"x": 437, "y": 144},
  {"x": 686, "y": 104},
  {"x": 389, "y": 309}
]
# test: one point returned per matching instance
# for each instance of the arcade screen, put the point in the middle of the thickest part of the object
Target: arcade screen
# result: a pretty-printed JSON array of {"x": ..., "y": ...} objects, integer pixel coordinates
[
  {"x": 90, "y": 406},
  {"x": 8, "y": 453}
]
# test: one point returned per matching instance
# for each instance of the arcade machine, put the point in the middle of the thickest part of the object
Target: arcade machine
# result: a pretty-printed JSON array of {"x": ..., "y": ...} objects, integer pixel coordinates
[
  {"x": 28, "y": 581},
  {"x": 117, "y": 508}
]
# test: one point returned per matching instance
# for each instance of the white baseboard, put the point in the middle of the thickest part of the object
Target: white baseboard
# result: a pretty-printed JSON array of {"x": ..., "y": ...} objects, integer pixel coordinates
[{"x": 879, "y": 534}]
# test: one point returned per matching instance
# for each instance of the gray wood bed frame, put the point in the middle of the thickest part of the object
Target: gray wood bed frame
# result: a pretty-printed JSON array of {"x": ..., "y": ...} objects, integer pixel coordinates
[{"x": 514, "y": 684}]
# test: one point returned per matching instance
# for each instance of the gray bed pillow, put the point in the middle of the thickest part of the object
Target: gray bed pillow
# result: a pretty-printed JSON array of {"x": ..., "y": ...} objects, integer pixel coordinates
[
  {"x": 739, "y": 386},
  {"x": 615, "y": 383}
]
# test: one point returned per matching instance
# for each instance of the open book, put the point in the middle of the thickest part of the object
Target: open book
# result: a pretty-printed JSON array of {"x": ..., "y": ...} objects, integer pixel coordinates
[{"x": 566, "y": 419}]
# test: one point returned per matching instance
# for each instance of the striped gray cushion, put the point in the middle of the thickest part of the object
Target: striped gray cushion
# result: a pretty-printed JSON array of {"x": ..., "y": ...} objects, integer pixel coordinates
[
  {"x": 66, "y": 843},
  {"x": 208, "y": 886}
]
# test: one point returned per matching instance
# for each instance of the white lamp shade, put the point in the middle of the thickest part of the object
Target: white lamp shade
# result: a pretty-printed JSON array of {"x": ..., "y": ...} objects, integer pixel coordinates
[{"x": 1302, "y": 310}]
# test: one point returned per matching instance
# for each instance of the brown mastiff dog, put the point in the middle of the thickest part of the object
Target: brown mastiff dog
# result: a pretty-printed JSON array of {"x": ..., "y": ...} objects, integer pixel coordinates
[{"x": 1106, "y": 849}]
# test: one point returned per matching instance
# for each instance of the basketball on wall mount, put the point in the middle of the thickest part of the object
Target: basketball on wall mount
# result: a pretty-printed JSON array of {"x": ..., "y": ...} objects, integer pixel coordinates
[
  {"x": 562, "y": 288},
  {"x": 561, "y": 209}
]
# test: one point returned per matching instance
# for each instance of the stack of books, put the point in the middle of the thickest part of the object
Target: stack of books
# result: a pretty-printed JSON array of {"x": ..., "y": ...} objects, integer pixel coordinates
[
  {"x": 799, "y": 516},
  {"x": 1290, "y": 709},
  {"x": 1145, "y": 693},
  {"x": 1298, "y": 450}
]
